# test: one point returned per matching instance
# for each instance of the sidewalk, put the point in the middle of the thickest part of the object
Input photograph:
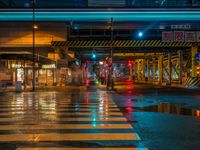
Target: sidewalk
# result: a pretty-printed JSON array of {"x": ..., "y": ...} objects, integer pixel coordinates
[{"x": 164, "y": 84}]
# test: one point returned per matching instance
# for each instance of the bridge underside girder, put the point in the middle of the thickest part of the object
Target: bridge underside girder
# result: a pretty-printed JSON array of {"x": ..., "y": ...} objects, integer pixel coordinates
[{"x": 122, "y": 44}]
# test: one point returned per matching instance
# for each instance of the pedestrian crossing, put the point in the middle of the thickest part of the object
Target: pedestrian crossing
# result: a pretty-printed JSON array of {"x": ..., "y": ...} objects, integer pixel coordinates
[
  {"x": 82, "y": 148},
  {"x": 60, "y": 121}
]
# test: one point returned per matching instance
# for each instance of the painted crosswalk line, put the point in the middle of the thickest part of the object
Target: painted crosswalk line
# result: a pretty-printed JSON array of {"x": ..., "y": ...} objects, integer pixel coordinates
[{"x": 42, "y": 120}]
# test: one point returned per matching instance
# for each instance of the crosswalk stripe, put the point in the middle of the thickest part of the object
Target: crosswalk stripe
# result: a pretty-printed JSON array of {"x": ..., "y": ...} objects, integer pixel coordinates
[
  {"x": 59, "y": 116},
  {"x": 62, "y": 119},
  {"x": 60, "y": 110},
  {"x": 54, "y": 148},
  {"x": 65, "y": 126},
  {"x": 62, "y": 106},
  {"x": 62, "y": 113},
  {"x": 72, "y": 103},
  {"x": 46, "y": 123},
  {"x": 69, "y": 137},
  {"x": 62, "y": 103}
]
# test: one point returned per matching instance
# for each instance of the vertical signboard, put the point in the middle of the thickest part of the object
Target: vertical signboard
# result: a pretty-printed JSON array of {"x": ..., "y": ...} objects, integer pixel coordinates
[
  {"x": 190, "y": 36},
  {"x": 198, "y": 36},
  {"x": 167, "y": 36},
  {"x": 179, "y": 36}
]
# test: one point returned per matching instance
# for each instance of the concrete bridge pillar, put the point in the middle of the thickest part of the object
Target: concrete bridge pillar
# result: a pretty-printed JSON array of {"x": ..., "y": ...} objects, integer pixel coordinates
[
  {"x": 138, "y": 70},
  {"x": 131, "y": 72},
  {"x": 148, "y": 70},
  {"x": 194, "y": 50},
  {"x": 180, "y": 53},
  {"x": 143, "y": 69},
  {"x": 153, "y": 68},
  {"x": 160, "y": 68},
  {"x": 169, "y": 68}
]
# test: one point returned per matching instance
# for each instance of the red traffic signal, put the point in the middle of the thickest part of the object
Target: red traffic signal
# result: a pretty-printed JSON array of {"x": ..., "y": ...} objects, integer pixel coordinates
[{"x": 129, "y": 63}]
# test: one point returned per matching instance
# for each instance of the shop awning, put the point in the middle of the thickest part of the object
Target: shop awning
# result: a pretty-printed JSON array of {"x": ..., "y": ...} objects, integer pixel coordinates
[{"x": 24, "y": 55}]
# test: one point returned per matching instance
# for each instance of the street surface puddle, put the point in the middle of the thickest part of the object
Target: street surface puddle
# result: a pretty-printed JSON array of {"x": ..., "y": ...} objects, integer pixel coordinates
[{"x": 170, "y": 109}]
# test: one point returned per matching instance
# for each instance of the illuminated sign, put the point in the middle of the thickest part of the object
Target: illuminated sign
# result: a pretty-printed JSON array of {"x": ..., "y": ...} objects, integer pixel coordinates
[
  {"x": 51, "y": 66},
  {"x": 181, "y": 36},
  {"x": 190, "y": 36},
  {"x": 198, "y": 36},
  {"x": 123, "y": 54},
  {"x": 17, "y": 66},
  {"x": 167, "y": 36},
  {"x": 185, "y": 26}
]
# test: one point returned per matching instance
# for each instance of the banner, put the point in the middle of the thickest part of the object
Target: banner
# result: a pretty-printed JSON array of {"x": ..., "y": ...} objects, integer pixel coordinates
[
  {"x": 198, "y": 36},
  {"x": 167, "y": 36},
  {"x": 190, "y": 36},
  {"x": 179, "y": 36}
]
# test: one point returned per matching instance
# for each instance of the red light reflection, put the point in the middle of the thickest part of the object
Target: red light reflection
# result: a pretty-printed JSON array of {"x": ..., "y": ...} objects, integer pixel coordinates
[
  {"x": 87, "y": 82},
  {"x": 87, "y": 97},
  {"x": 198, "y": 113},
  {"x": 129, "y": 108}
]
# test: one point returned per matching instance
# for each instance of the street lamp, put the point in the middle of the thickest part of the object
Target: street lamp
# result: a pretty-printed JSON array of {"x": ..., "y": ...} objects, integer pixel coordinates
[
  {"x": 35, "y": 26},
  {"x": 140, "y": 34}
]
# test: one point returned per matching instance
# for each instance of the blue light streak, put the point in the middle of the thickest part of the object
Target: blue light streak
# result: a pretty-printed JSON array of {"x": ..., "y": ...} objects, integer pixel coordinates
[{"x": 67, "y": 15}]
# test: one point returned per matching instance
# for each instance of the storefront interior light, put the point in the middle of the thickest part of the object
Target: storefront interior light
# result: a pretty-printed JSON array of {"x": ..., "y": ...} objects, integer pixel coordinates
[{"x": 50, "y": 66}]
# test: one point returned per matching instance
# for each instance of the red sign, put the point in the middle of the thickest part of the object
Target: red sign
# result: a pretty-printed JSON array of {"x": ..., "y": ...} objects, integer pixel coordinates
[
  {"x": 179, "y": 36},
  {"x": 167, "y": 36},
  {"x": 198, "y": 36},
  {"x": 190, "y": 36}
]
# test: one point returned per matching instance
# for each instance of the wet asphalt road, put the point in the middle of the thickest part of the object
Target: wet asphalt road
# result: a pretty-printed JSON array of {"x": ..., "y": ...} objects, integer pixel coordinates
[
  {"x": 165, "y": 118},
  {"x": 85, "y": 119},
  {"x": 132, "y": 116}
]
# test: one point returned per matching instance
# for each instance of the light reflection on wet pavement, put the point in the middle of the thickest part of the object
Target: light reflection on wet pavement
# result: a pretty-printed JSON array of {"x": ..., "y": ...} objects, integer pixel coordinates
[
  {"x": 165, "y": 118},
  {"x": 64, "y": 120}
]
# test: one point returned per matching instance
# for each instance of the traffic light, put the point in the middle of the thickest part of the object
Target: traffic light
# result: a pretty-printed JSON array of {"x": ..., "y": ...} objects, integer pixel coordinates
[
  {"x": 129, "y": 63},
  {"x": 93, "y": 56},
  {"x": 107, "y": 62}
]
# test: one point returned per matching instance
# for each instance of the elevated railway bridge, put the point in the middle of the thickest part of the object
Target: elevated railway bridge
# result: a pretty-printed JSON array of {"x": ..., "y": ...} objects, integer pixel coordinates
[
  {"x": 152, "y": 60},
  {"x": 162, "y": 45}
]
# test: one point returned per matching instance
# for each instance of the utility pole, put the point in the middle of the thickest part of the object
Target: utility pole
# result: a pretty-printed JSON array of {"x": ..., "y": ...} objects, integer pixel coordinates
[
  {"x": 33, "y": 50},
  {"x": 111, "y": 72}
]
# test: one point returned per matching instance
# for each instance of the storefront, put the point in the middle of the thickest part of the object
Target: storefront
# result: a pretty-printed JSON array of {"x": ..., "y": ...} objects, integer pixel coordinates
[
  {"x": 48, "y": 72},
  {"x": 47, "y": 75}
]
